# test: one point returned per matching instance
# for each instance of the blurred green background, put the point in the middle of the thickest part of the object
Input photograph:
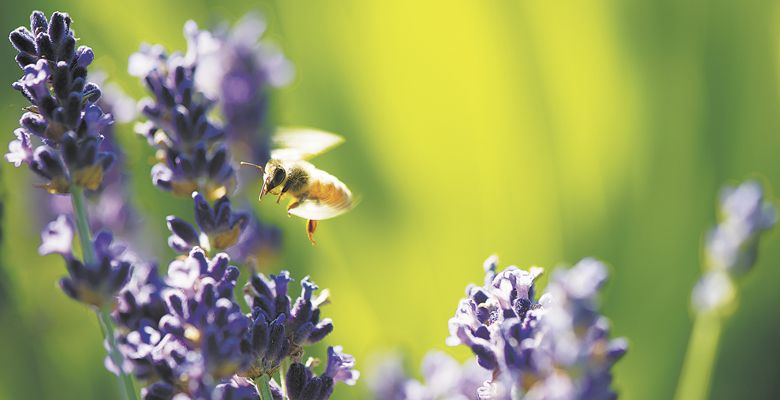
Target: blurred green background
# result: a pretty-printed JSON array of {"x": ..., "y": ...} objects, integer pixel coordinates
[{"x": 540, "y": 131}]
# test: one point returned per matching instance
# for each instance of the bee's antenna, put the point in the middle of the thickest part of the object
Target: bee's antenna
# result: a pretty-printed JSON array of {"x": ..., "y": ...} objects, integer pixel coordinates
[{"x": 252, "y": 165}]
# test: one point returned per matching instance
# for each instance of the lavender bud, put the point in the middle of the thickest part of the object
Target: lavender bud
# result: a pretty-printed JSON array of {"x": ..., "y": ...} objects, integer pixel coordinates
[{"x": 22, "y": 40}]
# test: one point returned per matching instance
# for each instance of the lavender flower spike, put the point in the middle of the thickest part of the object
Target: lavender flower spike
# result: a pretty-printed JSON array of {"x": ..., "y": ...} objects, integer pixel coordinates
[
  {"x": 61, "y": 131},
  {"x": 556, "y": 347},
  {"x": 190, "y": 154},
  {"x": 731, "y": 247},
  {"x": 733, "y": 244}
]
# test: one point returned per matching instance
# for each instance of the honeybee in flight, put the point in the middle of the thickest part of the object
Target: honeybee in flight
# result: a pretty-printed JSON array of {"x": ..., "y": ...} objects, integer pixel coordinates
[{"x": 314, "y": 194}]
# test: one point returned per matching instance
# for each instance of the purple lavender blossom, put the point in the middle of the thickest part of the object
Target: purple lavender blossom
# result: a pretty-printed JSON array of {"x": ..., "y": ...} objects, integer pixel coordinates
[
  {"x": 95, "y": 284},
  {"x": 198, "y": 341},
  {"x": 219, "y": 227},
  {"x": 60, "y": 133},
  {"x": 185, "y": 335},
  {"x": 141, "y": 299},
  {"x": 281, "y": 329},
  {"x": 557, "y": 347},
  {"x": 732, "y": 246},
  {"x": 340, "y": 366},
  {"x": 506, "y": 298},
  {"x": 191, "y": 156}
]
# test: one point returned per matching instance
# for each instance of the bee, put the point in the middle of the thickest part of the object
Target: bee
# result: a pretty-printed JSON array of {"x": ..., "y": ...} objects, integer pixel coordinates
[{"x": 314, "y": 194}]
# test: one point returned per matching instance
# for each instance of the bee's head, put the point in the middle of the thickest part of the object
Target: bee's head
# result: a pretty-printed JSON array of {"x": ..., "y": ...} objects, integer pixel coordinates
[{"x": 274, "y": 176}]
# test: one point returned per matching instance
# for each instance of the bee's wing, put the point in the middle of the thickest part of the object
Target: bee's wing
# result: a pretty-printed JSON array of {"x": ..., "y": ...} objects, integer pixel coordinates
[
  {"x": 302, "y": 143},
  {"x": 317, "y": 211}
]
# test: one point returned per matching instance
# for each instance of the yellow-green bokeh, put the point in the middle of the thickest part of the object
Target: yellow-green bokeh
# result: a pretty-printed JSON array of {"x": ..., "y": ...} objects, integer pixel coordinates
[{"x": 543, "y": 131}]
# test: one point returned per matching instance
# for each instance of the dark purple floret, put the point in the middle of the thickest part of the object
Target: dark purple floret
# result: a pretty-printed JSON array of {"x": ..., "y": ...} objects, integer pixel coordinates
[
  {"x": 302, "y": 384},
  {"x": 340, "y": 366},
  {"x": 219, "y": 226}
]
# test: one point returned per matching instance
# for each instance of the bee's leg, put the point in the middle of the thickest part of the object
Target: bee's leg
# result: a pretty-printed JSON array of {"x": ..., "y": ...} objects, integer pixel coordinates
[
  {"x": 296, "y": 203},
  {"x": 311, "y": 226},
  {"x": 293, "y": 204}
]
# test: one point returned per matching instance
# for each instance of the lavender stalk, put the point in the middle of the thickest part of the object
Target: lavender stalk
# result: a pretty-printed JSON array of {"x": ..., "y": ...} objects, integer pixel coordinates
[
  {"x": 262, "y": 383},
  {"x": 127, "y": 390},
  {"x": 59, "y": 140},
  {"x": 731, "y": 251}
]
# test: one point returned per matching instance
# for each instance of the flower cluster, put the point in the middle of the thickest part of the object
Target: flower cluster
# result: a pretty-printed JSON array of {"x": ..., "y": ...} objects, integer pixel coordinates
[
  {"x": 556, "y": 347},
  {"x": 185, "y": 334},
  {"x": 281, "y": 329},
  {"x": 94, "y": 282},
  {"x": 195, "y": 342},
  {"x": 60, "y": 132},
  {"x": 731, "y": 248},
  {"x": 191, "y": 156}
]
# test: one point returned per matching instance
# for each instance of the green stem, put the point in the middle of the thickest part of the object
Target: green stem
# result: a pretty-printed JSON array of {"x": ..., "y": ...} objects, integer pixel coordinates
[
  {"x": 283, "y": 376},
  {"x": 127, "y": 391},
  {"x": 82, "y": 224},
  {"x": 263, "y": 387},
  {"x": 700, "y": 357}
]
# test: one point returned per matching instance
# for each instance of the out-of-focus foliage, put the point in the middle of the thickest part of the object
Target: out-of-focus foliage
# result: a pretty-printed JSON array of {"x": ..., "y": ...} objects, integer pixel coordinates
[{"x": 541, "y": 131}]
